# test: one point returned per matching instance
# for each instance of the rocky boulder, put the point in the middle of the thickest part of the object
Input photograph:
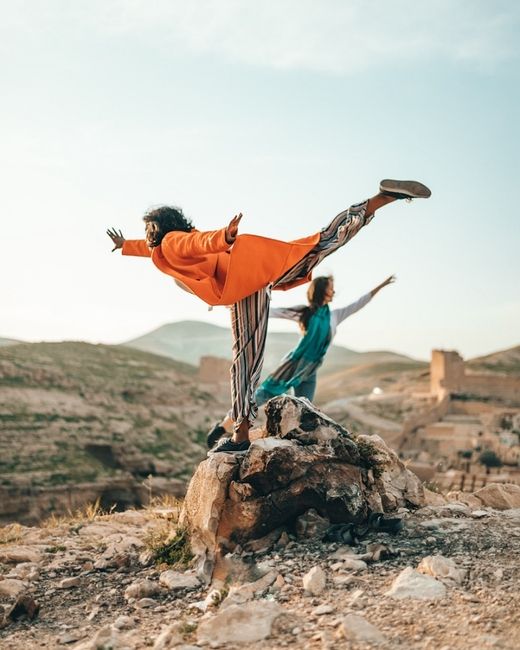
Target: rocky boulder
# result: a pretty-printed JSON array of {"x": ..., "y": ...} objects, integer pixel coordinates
[
  {"x": 306, "y": 461},
  {"x": 501, "y": 496}
]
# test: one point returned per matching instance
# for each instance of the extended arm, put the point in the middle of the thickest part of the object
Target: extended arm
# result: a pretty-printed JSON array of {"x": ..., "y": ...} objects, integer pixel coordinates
[
  {"x": 128, "y": 246},
  {"x": 196, "y": 244},
  {"x": 345, "y": 312},
  {"x": 289, "y": 313}
]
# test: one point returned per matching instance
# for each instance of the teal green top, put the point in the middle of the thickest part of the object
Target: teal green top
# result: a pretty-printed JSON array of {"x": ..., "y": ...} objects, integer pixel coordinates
[{"x": 305, "y": 358}]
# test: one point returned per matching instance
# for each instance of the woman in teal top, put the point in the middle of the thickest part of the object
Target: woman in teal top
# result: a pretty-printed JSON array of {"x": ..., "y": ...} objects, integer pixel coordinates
[
  {"x": 298, "y": 368},
  {"x": 318, "y": 324}
]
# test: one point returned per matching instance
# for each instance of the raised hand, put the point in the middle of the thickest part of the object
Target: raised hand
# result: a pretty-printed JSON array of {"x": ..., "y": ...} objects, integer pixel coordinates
[
  {"x": 232, "y": 229},
  {"x": 117, "y": 238},
  {"x": 389, "y": 280}
]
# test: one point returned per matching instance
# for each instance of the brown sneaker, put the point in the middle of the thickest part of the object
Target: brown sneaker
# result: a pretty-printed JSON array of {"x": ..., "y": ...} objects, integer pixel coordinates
[
  {"x": 404, "y": 189},
  {"x": 227, "y": 446}
]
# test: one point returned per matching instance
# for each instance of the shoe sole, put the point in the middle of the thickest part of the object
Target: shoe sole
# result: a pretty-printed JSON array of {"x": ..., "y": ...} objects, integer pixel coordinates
[
  {"x": 412, "y": 189},
  {"x": 226, "y": 451}
]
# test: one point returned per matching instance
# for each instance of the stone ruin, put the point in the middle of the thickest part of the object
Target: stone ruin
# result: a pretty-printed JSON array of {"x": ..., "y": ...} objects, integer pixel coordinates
[{"x": 302, "y": 461}]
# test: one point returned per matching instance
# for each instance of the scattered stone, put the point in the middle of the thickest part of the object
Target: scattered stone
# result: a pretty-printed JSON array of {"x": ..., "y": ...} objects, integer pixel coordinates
[
  {"x": 321, "y": 610},
  {"x": 433, "y": 498},
  {"x": 357, "y": 600},
  {"x": 311, "y": 525},
  {"x": 478, "y": 514},
  {"x": 175, "y": 580},
  {"x": 443, "y": 568},
  {"x": 264, "y": 543},
  {"x": 18, "y": 554},
  {"x": 412, "y": 584},
  {"x": 70, "y": 637},
  {"x": 314, "y": 581},
  {"x": 236, "y": 624},
  {"x": 106, "y": 638},
  {"x": 169, "y": 637},
  {"x": 343, "y": 553},
  {"x": 146, "y": 557},
  {"x": 243, "y": 593},
  {"x": 28, "y": 571},
  {"x": 145, "y": 603},
  {"x": 356, "y": 628},
  {"x": 69, "y": 583},
  {"x": 142, "y": 589},
  {"x": 354, "y": 565},
  {"x": 124, "y": 622},
  {"x": 500, "y": 496},
  {"x": 464, "y": 497},
  {"x": 283, "y": 541},
  {"x": 11, "y": 587}
]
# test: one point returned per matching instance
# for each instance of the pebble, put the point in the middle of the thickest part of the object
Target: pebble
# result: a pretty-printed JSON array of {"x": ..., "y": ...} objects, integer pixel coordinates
[
  {"x": 144, "y": 603},
  {"x": 314, "y": 581},
  {"x": 69, "y": 583},
  {"x": 321, "y": 610}
]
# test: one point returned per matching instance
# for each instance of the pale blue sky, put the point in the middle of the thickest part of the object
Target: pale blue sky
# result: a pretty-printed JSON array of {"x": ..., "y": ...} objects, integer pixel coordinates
[{"x": 287, "y": 111}]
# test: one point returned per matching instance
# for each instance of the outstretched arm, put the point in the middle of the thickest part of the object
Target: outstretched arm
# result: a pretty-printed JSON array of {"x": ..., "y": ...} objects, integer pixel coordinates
[
  {"x": 345, "y": 312},
  {"x": 289, "y": 313},
  {"x": 389, "y": 280},
  {"x": 196, "y": 244}
]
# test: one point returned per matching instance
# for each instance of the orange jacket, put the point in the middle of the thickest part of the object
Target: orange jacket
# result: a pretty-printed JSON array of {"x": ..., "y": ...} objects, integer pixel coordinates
[{"x": 221, "y": 274}]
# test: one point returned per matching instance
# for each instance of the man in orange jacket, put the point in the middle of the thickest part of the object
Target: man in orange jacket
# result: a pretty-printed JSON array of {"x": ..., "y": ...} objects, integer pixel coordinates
[{"x": 224, "y": 268}]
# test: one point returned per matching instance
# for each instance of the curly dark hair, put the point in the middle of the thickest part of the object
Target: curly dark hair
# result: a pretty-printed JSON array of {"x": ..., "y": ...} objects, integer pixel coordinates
[
  {"x": 316, "y": 297},
  {"x": 163, "y": 220}
]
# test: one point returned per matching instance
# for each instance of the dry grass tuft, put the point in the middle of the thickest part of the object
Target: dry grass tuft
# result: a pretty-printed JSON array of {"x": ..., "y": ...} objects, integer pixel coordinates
[
  {"x": 11, "y": 533},
  {"x": 89, "y": 513}
]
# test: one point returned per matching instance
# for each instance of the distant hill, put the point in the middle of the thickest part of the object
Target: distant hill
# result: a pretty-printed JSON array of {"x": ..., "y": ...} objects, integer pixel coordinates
[
  {"x": 360, "y": 380},
  {"x": 4, "y": 341},
  {"x": 189, "y": 340},
  {"x": 504, "y": 361}
]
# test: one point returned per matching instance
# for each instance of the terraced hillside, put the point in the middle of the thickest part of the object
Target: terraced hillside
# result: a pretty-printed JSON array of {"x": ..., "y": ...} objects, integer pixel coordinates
[{"x": 76, "y": 414}]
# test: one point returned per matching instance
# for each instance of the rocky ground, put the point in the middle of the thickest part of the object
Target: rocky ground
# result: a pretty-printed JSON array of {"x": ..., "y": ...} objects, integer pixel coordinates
[{"x": 96, "y": 586}]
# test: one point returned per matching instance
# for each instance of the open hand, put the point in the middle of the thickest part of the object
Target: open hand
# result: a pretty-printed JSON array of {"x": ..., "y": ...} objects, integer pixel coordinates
[
  {"x": 117, "y": 238},
  {"x": 389, "y": 280},
  {"x": 232, "y": 229}
]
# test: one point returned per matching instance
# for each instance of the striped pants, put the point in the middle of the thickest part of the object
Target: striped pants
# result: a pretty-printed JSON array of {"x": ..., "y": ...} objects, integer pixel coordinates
[{"x": 249, "y": 316}]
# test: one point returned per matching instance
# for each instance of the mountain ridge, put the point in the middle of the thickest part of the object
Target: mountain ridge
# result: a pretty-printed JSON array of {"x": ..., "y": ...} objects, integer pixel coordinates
[{"x": 189, "y": 340}]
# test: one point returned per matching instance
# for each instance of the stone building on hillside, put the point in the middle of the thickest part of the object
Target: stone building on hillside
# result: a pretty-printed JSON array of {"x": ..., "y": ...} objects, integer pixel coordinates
[
  {"x": 469, "y": 414},
  {"x": 448, "y": 373}
]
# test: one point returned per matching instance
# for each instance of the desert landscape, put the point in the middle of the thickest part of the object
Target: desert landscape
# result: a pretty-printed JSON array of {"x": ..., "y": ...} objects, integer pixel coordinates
[{"x": 116, "y": 533}]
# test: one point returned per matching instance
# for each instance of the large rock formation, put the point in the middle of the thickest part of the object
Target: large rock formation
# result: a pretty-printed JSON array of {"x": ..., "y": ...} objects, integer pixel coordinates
[{"x": 306, "y": 460}]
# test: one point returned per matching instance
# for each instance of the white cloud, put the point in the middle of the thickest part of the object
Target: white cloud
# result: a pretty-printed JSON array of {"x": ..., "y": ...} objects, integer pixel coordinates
[{"x": 338, "y": 36}]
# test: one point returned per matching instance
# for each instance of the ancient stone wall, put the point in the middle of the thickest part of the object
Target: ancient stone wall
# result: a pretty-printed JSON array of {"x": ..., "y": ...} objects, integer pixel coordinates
[
  {"x": 446, "y": 371},
  {"x": 500, "y": 387}
]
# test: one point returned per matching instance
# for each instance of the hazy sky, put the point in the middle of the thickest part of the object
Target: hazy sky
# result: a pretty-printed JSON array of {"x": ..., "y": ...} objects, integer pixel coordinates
[{"x": 286, "y": 110}]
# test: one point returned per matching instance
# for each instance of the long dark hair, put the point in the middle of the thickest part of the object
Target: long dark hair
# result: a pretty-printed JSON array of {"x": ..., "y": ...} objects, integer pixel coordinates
[
  {"x": 162, "y": 221},
  {"x": 315, "y": 297}
]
